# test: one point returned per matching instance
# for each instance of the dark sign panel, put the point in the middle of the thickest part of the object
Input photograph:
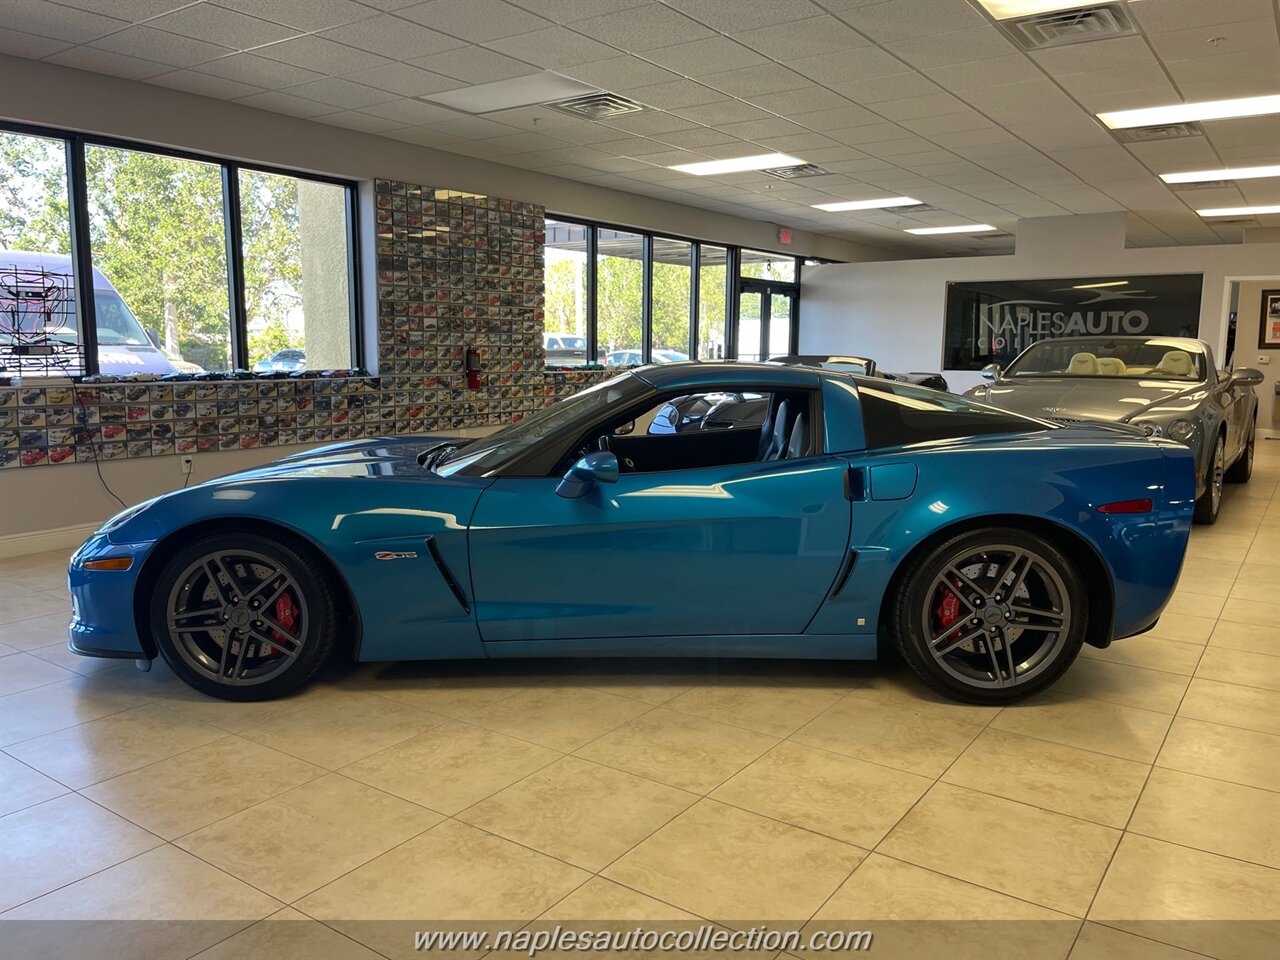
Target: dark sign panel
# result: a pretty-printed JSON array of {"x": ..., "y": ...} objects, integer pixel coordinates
[{"x": 993, "y": 321}]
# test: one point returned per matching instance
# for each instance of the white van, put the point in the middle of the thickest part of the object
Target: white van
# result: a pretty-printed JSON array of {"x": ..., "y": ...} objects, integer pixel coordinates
[{"x": 37, "y": 306}]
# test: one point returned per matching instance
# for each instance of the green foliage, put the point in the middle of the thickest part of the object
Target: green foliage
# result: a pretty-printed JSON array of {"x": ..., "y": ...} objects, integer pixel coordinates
[
  {"x": 157, "y": 233},
  {"x": 272, "y": 337}
]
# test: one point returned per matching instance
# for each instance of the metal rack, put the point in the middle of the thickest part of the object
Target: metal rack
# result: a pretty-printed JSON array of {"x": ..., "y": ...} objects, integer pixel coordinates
[{"x": 39, "y": 336}]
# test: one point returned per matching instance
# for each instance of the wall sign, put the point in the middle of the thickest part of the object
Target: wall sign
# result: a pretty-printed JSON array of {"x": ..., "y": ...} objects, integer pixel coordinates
[{"x": 993, "y": 321}]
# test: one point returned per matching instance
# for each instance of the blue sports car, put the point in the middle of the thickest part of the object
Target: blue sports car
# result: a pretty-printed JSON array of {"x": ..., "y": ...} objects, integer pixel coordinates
[{"x": 985, "y": 545}]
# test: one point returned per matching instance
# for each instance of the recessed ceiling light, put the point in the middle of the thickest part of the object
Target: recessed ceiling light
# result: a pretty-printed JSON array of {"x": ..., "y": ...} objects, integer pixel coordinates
[
  {"x": 1094, "y": 286},
  {"x": 959, "y": 228},
  {"x": 1192, "y": 112},
  {"x": 506, "y": 94},
  {"x": 1009, "y": 9},
  {"x": 762, "y": 161},
  {"x": 1230, "y": 173},
  {"x": 1239, "y": 211},
  {"x": 867, "y": 204}
]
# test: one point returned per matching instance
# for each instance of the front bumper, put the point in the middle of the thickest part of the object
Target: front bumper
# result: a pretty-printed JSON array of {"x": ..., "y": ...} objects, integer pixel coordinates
[{"x": 102, "y": 615}]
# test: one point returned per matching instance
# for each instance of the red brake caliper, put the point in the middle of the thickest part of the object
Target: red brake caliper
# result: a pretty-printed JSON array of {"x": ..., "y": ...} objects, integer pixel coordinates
[
  {"x": 286, "y": 616},
  {"x": 948, "y": 608}
]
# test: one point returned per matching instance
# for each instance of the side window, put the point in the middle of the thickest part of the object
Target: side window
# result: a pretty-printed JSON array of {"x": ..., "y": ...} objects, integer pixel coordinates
[
  {"x": 710, "y": 428},
  {"x": 897, "y": 414}
]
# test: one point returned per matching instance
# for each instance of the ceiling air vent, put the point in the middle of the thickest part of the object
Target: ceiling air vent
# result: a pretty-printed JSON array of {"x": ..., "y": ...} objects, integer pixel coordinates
[
  {"x": 1166, "y": 131},
  {"x": 598, "y": 106},
  {"x": 1056, "y": 29},
  {"x": 796, "y": 172},
  {"x": 1202, "y": 185},
  {"x": 1235, "y": 222}
]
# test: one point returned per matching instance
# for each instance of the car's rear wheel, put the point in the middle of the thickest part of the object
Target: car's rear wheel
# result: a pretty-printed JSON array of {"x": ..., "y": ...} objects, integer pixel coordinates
[
  {"x": 991, "y": 616},
  {"x": 1242, "y": 469},
  {"x": 1210, "y": 502},
  {"x": 242, "y": 616}
]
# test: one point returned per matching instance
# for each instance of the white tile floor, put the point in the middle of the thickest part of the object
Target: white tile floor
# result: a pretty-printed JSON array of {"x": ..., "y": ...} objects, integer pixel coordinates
[{"x": 1134, "y": 809}]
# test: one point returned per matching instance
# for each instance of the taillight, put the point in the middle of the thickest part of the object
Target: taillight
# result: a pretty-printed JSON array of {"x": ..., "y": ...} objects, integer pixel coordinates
[{"x": 1127, "y": 506}]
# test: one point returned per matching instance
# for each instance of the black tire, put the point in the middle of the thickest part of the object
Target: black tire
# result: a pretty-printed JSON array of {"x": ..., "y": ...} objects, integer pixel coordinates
[
  {"x": 262, "y": 661},
  {"x": 1242, "y": 469},
  {"x": 1210, "y": 502},
  {"x": 987, "y": 561}
]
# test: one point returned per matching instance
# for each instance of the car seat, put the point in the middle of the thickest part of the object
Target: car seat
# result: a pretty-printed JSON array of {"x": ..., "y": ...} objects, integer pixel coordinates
[
  {"x": 798, "y": 445},
  {"x": 1176, "y": 363},
  {"x": 1083, "y": 365},
  {"x": 1111, "y": 366},
  {"x": 778, "y": 436}
]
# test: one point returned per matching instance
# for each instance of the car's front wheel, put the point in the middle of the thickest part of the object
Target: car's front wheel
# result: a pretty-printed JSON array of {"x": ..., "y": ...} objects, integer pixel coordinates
[
  {"x": 991, "y": 616},
  {"x": 243, "y": 617}
]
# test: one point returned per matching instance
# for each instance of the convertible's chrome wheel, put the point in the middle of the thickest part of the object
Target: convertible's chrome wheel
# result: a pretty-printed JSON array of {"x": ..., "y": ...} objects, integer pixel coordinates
[
  {"x": 237, "y": 616},
  {"x": 996, "y": 617},
  {"x": 1219, "y": 469}
]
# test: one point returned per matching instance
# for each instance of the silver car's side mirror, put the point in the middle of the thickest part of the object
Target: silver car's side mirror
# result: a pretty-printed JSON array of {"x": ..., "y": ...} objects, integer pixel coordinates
[
  {"x": 1247, "y": 376},
  {"x": 991, "y": 371},
  {"x": 598, "y": 467}
]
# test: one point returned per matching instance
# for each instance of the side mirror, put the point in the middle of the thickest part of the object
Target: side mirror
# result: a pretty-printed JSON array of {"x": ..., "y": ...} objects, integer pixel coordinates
[
  {"x": 1247, "y": 377},
  {"x": 991, "y": 371},
  {"x": 154, "y": 336},
  {"x": 598, "y": 467}
]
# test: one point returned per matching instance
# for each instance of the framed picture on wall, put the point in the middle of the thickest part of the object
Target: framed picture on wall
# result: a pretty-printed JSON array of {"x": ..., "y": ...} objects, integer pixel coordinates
[{"x": 1269, "y": 329}]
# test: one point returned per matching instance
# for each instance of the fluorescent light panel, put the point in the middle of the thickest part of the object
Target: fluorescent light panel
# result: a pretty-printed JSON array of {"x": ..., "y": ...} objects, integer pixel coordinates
[
  {"x": 1094, "y": 286},
  {"x": 544, "y": 87},
  {"x": 1011, "y": 9},
  {"x": 1239, "y": 211},
  {"x": 958, "y": 228},
  {"x": 881, "y": 204},
  {"x": 1192, "y": 112},
  {"x": 763, "y": 161},
  {"x": 1230, "y": 173}
]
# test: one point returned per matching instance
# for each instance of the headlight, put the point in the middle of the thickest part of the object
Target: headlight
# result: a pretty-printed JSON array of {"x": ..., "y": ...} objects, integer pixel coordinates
[
  {"x": 124, "y": 516},
  {"x": 1181, "y": 430},
  {"x": 1148, "y": 427}
]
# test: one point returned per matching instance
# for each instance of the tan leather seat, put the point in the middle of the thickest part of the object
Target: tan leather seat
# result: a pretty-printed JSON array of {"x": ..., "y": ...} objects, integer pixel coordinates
[
  {"x": 1111, "y": 366},
  {"x": 1083, "y": 365},
  {"x": 1176, "y": 363}
]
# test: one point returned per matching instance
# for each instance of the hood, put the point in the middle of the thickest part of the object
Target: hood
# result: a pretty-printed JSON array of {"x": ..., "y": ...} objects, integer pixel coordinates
[
  {"x": 1085, "y": 398},
  {"x": 392, "y": 458}
]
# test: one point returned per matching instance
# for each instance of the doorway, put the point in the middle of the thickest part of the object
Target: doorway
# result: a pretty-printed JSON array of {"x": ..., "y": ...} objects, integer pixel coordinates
[{"x": 766, "y": 319}]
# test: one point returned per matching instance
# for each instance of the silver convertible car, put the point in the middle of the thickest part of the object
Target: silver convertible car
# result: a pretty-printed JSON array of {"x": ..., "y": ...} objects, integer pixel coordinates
[{"x": 1164, "y": 386}]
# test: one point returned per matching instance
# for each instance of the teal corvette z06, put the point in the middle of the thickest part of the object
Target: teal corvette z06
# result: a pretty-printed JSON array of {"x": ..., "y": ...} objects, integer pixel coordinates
[{"x": 835, "y": 513}]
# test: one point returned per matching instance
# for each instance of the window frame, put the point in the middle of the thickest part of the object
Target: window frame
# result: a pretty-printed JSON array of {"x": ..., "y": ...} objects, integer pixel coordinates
[
  {"x": 733, "y": 267},
  {"x": 82, "y": 253}
]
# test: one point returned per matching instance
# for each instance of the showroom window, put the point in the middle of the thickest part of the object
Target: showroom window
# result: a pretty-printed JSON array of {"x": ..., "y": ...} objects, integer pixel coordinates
[
  {"x": 620, "y": 297},
  {"x": 193, "y": 263}
]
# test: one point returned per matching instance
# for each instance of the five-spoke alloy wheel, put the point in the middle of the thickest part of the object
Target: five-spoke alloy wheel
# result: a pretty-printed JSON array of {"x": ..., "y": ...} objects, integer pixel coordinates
[
  {"x": 991, "y": 616},
  {"x": 243, "y": 617}
]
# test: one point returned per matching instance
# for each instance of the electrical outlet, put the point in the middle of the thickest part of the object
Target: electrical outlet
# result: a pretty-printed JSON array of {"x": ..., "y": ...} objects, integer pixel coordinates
[
  {"x": 1263, "y": 361},
  {"x": 185, "y": 465}
]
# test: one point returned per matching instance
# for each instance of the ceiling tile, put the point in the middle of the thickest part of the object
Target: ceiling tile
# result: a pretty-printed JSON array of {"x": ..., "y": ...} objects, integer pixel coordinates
[
  {"x": 104, "y": 61},
  {"x": 650, "y": 124},
  {"x": 944, "y": 123},
  {"x": 904, "y": 19},
  {"x": 1246, "y": 38},
  {"x": 703, "y": 57},
  {"x": 474, "y": 65},
  {"x": 132, "y": 10},
  {"x": 674, "y": 94},
  {"x": 757, "y": 129},
  {"x": 160, "y": 47},
  {"x": 477, "y": 128},
  {"x": 474, "y": 20},
  {"x": 572, "y": 11},
  {"x": 619, "y": 73},
  {"x": 768, "y": 78},
  {"x": 977, "y": 74},
  {"x": 391, "y": 37},
  {"x": 730, "y": 15},
  {"x": 1229, "y": 89},
  {"x": 895, "y": 87},
  {"x": 643, "y": 28},
  {"x": 1122, "y": 52},
  {"x": 1181, "y": 14},
  {"x": 230, "y": 28},
  {"x": 846, "y": 65},
  {"x": 259, "y": 71},
  {"x": 960, "y": 46},
  {"x": 354, "y": 120},
  {"x": 321, "y": 55},
  {"x": 205, "y": 86},
  {"x": 406, "y": 80},
  {"x": 553, "y": 48},
  {"x": 697, "y": 138},
  {"x": 409, "y": 111},
  {"x": 803, "y": 38},
  {"x": 835, "y": 118},
  {"x": 19, "y": 44},
  {"x": 285, "y": 103},
  {"x": 804, "y": 100},
  {"x": 341, "y": 93},
  {"x": 47, "y": 19},
  {"x": 303, "y": 14}
]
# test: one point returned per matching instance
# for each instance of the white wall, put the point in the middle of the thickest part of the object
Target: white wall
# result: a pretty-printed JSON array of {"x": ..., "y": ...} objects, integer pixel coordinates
[
  {"x": 894, "y": 311},
  {"x": 1248, "y": 324}
]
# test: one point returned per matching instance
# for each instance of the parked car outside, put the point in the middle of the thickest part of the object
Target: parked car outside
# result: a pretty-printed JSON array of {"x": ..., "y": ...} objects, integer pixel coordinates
[
  {"x": 288, "y": 360},
  {"x": 565, "y": 349},
  {"x": 986, "y": 545},
  {"x": 1164, "y": 386}
]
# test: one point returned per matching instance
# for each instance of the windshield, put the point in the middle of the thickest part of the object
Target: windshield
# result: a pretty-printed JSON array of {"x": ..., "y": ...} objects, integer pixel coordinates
[
  {"x": 491, "y": 452},
  {"x": 1154, "y": 358}
]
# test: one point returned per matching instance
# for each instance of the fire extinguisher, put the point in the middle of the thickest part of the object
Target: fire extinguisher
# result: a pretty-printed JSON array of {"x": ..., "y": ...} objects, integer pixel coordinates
[{"x": 472, "y": 366}]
